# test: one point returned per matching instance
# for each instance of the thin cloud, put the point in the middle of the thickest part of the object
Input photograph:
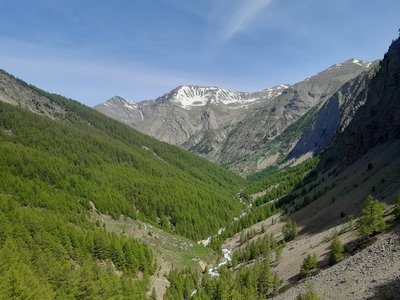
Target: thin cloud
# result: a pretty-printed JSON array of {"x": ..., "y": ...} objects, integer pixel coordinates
[
  {"x": 93, "y": 80},
  {"x": 243, "y": 16}
]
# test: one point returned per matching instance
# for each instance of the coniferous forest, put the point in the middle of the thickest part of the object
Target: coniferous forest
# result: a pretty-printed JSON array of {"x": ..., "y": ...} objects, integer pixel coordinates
[{"x": 53, "y": 171}]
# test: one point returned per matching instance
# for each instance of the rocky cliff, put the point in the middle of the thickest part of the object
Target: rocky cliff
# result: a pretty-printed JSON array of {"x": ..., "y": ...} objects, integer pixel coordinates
[
  {"x": 334, "y": 115},
  {"x": 378, "y": 120}
]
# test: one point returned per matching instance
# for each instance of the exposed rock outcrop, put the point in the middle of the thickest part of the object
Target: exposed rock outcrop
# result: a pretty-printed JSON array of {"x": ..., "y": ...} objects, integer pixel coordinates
[
  {"x": 16, "y": 92},
  {"x": 378, "y": 120},
  {"x": 335, "y": 114}
]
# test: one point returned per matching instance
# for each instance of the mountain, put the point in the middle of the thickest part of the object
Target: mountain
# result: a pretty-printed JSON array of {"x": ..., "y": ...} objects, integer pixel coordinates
[
  {"x": 334, "y": 115},
  {"x": 378, "y": 120},
  {"x": 185, "y": 112},
  {"x": 232, "y": 128}
]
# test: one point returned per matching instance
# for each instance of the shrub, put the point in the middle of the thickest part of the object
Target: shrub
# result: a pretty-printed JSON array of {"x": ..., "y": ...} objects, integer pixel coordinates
[
  {"x": 290, "y": 230},
  {"x": 311, "y": 294},
  {"x": 309, "y": 265},
  {"x": 371, "y": 221},
  {"x": 336, "y": 251}
]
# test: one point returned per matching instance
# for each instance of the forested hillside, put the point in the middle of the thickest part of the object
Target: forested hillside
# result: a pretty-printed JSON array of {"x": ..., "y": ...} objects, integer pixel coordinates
[
  {"x": 53, "y": 169},
  {"x": 55, "y": 253},
  {"x": 93, "y": 158}
]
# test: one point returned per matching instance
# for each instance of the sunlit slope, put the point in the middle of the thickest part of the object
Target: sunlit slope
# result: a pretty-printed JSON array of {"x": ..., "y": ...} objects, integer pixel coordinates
[{"x": 83, "y": 156}]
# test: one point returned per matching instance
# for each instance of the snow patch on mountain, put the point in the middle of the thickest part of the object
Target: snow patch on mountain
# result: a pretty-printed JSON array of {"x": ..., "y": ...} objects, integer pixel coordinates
[
  {"x": 275, "y": 91},
  {"x": 192, "y": 96},
  {"x": 129, "y": 104},
  {"x": 361, "y": 63}
]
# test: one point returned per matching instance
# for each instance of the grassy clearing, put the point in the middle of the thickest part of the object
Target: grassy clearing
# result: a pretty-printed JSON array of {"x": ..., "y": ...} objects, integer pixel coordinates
[{"x": 180, "y": 252}]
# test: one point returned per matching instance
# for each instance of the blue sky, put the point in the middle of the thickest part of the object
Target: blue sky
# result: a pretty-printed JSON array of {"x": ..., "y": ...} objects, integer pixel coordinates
[{"x": 90, "y": 50}]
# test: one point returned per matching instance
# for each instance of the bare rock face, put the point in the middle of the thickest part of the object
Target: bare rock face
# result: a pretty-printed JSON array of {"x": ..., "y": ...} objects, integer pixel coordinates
[
  {"x": 334, "y": 115},
  {"x": 232, "y": 128},
  {"x": 253, "y": 138},
  {"x": 378, "y": 120},
  {"x": 189, "y": 114},
  {"x": 16, "y": 92}
]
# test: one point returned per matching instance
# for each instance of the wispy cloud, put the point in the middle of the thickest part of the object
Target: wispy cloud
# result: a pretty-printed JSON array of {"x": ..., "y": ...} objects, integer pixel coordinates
[
  {"x": 242, "y": 17},
  {"x": 92, "y": 80}
]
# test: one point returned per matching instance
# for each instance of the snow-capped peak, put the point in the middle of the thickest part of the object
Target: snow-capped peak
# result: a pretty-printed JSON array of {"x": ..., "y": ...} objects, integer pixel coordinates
[
  {"x": 200, "y": 96},
  {"x": 191, "y": 96}
]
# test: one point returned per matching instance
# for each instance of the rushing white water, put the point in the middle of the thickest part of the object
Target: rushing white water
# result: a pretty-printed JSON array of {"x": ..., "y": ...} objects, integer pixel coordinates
[
  {"x": 226, "y": 258},
  {"x": 207, "y": 241}
]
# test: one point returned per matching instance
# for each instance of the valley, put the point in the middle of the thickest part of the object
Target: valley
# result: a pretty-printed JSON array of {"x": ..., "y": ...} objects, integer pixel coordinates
[{"x": 291, "y": 192}]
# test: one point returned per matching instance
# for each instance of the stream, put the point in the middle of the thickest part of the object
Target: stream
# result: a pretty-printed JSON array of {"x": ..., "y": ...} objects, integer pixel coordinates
[
  {"x": 227, "y": 257},
  {"x": 226, "y": 253}
]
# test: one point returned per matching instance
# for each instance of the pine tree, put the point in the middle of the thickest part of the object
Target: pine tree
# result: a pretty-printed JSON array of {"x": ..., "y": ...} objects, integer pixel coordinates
[
  {"x": 290, "y": 230},
  {"x": 235, "y": 258},
  {"x": 309, "y": 265},
  {"x": 336, "y": 251},
  {"x": 276, "y": 284},
  {"x": 264, "y": 278},
  {"x": 242, "y": 237},
  {"x": 372, "y": 220},
  {"x": 117, "y": 256}
]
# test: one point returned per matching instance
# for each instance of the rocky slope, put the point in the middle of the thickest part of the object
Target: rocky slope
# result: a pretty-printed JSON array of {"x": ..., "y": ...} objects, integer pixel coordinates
[
  {"x": 362, "y": 159},
  {"x": 370, "y": 274},
  {"x": 335, "y": 114},
  {"x": 232, "y": 128},
  {"x": 269, "y": 122},
  {"x": 15, "y": 92},
  {"x": 377, "y": 121}
]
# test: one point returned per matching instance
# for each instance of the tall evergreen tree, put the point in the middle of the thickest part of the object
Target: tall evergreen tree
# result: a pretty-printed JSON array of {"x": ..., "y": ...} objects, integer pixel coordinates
[
  {"x": 371, "y": 220},
  {"x": 336, "y": 250}
]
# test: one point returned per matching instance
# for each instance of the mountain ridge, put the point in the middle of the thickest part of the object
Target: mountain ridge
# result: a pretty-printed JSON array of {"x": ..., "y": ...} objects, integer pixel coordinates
[{"x": 214, "y": 123}]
